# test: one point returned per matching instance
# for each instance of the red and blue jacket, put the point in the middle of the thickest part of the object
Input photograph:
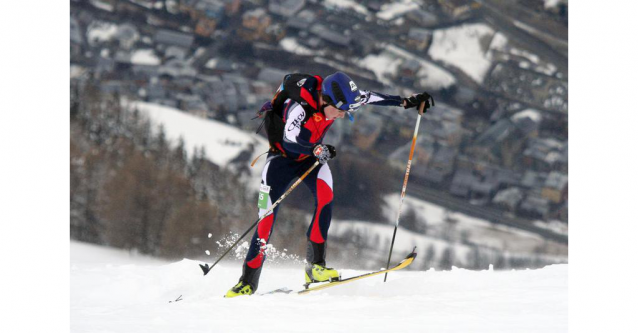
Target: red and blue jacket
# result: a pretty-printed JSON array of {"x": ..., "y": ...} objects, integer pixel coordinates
[{"x": 305, "y": 123}]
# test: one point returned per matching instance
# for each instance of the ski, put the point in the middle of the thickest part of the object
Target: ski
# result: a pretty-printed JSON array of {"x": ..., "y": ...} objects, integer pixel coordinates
[{"x": 403, "y": 264}]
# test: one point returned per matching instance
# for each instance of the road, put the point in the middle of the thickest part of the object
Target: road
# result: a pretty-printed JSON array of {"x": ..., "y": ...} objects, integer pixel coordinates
[{"x": 452, "y": 203}]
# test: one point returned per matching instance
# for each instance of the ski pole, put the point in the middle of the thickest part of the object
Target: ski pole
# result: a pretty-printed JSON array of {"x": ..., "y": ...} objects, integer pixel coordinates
[
  {"x": 405, "y": 184},
  {"x": 207, "y": 268}
]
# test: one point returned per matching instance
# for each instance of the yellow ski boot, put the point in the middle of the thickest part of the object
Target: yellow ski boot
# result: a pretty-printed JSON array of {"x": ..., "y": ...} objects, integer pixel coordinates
[
  {"x": 240, "y": 289},
  {"x": 319, "y": 273}
]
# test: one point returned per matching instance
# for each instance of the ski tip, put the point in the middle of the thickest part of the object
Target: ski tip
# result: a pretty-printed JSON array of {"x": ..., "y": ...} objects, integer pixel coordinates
[
  {"x": 412, "y": 255},
  {"x": 205, "y": 268}
]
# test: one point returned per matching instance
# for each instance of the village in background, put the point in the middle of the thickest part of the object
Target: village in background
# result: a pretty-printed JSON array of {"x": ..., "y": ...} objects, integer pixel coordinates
[{"x": 151, "y": 79}]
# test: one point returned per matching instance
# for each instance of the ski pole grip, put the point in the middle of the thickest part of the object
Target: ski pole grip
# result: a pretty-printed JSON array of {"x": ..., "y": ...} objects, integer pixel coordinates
[{"x": 421, "y": 107}]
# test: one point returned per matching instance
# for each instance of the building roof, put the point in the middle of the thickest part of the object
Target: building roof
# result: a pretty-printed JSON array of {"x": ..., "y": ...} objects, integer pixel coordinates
[
  {"x": 556, "y": 180},
  {"x": 419, "y": 34},
  {"x": 423, "y": 17},
  {"x": 496, "y": 133},
  {"x": 285, "y": 7},
  {"x": 170, "y": 37},
  {"x": 76, "y": 31},
  {"x": 532, "y": 179},
  {"x": 462, "y": 182},
  {"x": 535, "y": 203},
  {"x": 329, "y": 35},
  {"x": 271, "y": 75},
  {"x": 510, "y": 196},
  {"x": 301, "y": 21}
]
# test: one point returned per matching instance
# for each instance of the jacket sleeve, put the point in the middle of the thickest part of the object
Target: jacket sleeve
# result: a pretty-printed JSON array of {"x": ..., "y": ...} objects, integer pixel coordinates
[
  {"x": 292, "y": 140},
  {"x": 375, "y": 98}
]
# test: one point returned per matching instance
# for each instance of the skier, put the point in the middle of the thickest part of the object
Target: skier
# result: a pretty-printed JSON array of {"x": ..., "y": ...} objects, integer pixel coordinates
[{"x": 297, "y": 119}]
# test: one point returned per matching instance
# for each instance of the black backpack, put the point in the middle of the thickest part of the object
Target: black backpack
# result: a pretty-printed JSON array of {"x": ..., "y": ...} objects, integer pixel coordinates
[{"x": 301, "y": 88}]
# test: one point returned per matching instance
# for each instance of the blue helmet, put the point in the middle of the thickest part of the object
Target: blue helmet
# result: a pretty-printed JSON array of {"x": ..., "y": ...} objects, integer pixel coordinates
[{"x": 340, "y": 91}]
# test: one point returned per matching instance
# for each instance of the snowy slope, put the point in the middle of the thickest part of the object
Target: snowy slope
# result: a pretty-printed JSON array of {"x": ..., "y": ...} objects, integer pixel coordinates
[
  {"x": 222, "y": 142},
  {"x": 118, "y": 292}
]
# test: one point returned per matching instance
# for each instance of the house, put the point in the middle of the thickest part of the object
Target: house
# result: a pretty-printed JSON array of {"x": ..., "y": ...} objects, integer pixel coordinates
[
  {"x": 312, "y": 42},
  {"x": 207, "y": 13},
  {"x": 444, "y": 132},
  {"x": 465, "y": 95},
  {"x": 192, "y": 104},
  {"x": 329, "y": 35},
  {"x": 368, "y": 128},
  {"x": 127, "y": 34},
  {"x": 177, "y": 67},
  {"x": 231, "y": 96},
  {"x": 271, "y": 75},
  {"x": 508, "y": 199},
  {"x": 423, "y": 151},
  {"x": 363, "y": 43},
  {"x": 155, "y": 91},
  {"x": 534, "y": 206},
  {"x": 213, "y": 9},
  {"x": 546, "y": 154},
  {"x": 175, "y": 52},
  {"x": 301, "y": 21},
  {"x": 441, "y": 164},
  {"x": 169, "y": 37},
  {"x": 220, "y": 65},
  {"x": 533, "y": 180},
  {"x": 286, "y": 8},
  {"x": 77, "y": 39},
  {"x": 419, "y": 39},
  {"x": 409, "y": 68},
  {"x": 242, "y": 88},
  {"x": 462, "y": 183},
  {"x": 555, "y": 187},
  {"x": 104, "y": 65},
  {"x": 481, "y": 192},
  {"x": 254, "y": 25},
  {"x": 457, "y": 9},
  {"x": 501, "y": 142},
  {"x": 422, "y": 18},
  {"x": 76, "y": 32},
  {"x": 528, "y": 121},
  {"x": 266, "y": 89}
]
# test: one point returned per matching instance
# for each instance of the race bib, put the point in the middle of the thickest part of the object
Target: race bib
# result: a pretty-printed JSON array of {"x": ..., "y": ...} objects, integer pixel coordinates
[{"x": 264, "y": 192}]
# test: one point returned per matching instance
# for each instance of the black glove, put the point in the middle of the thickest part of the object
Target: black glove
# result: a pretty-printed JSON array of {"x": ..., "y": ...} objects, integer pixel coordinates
[
  {"x": 415, "y": 100},
  {"x": 324, "y": 153}
]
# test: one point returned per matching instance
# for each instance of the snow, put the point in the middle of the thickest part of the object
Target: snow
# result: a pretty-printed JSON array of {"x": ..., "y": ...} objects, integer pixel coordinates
[
  {"x": 290, "y": 44},
  {"x": 114, "y": 291},
  {"x": 532, "y": 114},
  {"x": 386, "y": 65},
  {"x": 432, "y": 76},
  {"x": 100, "y": 32},
  {"x": 145, "y": 57},
  {"x": 486, "y": 234},
  {"x": 554, "y": 3},
  {"x": 347, "y": 5},
  {"x": 395, "y": 9},
  {"x": 102, "y": 5},
  {"x": 222, "y": 142},
  {"x": 462, "y": 47}
]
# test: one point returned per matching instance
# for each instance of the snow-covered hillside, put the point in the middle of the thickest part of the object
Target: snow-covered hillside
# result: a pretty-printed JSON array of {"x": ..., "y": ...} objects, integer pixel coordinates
[
  {"x": 115, "y": 291},
  {"x": 221, "y": 142}
]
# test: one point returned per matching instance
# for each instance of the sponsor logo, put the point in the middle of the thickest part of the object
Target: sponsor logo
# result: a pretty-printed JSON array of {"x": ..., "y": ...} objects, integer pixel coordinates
[
  {"x": 296, "y": 123},
  {"x": 353, "y": 86},
  {"x": 318, "y": 150},
  {"x": 301, "y": 82},
  {"x": 317, "y": 117}
]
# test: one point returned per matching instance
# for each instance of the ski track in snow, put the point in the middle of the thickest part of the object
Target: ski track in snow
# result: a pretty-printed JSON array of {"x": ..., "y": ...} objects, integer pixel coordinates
[{"x": 114, "y": 291}]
